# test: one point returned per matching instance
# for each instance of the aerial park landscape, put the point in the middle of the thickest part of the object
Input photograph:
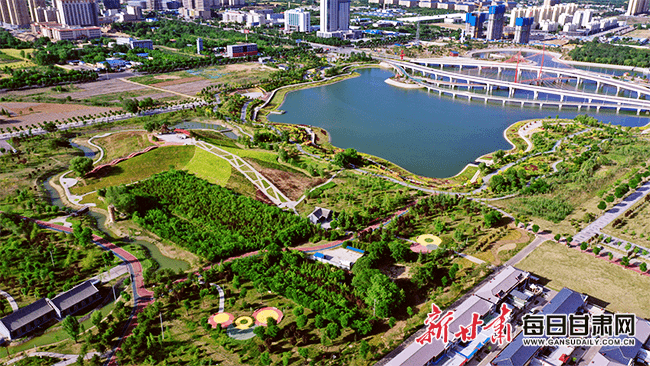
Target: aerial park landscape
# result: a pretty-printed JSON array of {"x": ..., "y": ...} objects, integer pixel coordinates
[{"x": 198, "y": 209}]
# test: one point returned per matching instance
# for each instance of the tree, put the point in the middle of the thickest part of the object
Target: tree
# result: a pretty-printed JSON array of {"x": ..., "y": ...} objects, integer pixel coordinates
[
  {"x": 399, "y": 251},
  {"x": 71, "y": 326},
  {"x": 265, "y": 359},
  {"x": 492, "y": 218},
  {"x": 498, "y": 155},
  {"x": 301, "y": 321},
  {"x": 333, "y": 330},
  {"x": 364, "y": 348},
  {"x": 535, "y": 228},
  {"x": 121, "y": 198},
  {"x": 643, "y": 266},
  {"x": 602, "y": 205},
  {"x": 50, "y": 126},
  {"x": 349, "y": 156},
  {"x": 272, "y": 328},
  {"x": 610, "y": 198},
  {"x": 557, "y": 237},
  {"x": 130, "y": 105},
  {"x": 584, "y": 245},
  {"x": 596, "y": 250},
  {"x": 81, "y": 165},
  {"x": 383, "y": 295},
  {"x": 625, "y": 261}
]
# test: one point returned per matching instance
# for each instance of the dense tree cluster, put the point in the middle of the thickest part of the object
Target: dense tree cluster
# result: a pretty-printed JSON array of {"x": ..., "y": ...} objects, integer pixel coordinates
[
  {"x": 37, "y": 77},
  {"x": 9, "y": 41},
  {"x": 212, "y": 221},
  {"x": 610, "y": 54},
  {"x": 321, "y": 288}
]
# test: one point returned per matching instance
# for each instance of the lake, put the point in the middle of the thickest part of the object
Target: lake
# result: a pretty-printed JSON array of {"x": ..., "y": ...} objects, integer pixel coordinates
[{"x": 422, "y": 132}]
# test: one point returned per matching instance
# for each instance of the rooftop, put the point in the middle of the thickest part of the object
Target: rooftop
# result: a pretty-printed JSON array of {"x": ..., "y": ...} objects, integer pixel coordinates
[
  {"x": 26, "y": 315},
  {"x": 501, "y": 284},
  {"x": 75, "y": 295}
]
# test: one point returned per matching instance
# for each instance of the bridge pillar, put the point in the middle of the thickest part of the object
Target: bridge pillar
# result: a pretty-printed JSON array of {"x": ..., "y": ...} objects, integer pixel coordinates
[
  {"x": 638, "y": 111},
  {"x": 560, "y": 106},
  {"x": 504, "y": 102},
  {"x": 561, "y": 97},
  {"x": 469, "y": 98},
  {"x": 439, "y": 92},
  {"x": 597, "y": 108},
  {"x": 485, "y": 100},
  {"x": 638, "y": 95},
  {"x": 597, "y": 86},
  {"x": 618, "y": 109},
  {"x": 499, "y": 71},
  {"x": 511, "y": 93},
  {"x": 461, "y": 67},
  {"x": 579, "y": 81},
  {"x": 480, "y": 68},
  {"x": 522, "y": 104},
  {"x": 579, "y": 107},
  {"x": 441, "y": 66},
  {"x": 618, "y": 90},
  {"x": 541, "y": 105},
  {"x": 535, "y": 95}
]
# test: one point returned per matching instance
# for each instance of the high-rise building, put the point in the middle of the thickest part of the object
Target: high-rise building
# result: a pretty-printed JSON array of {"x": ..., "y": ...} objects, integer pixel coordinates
[
  {"x": 156, "y": 5},
  {"x": 15, "y": 12},
  {"x": 522, "y": 29},
  {"x": 111, "y": 4},
  {"x": 334, "y": 17},
  {"x": 474, "y": 24},
  {"x": 637, "y": 6},
  {"x": 199, "y": 45},
  {"x": 297, "y": 20},
  {"x": 496, "y": 17},
  {"x": 77, "y": 12}
]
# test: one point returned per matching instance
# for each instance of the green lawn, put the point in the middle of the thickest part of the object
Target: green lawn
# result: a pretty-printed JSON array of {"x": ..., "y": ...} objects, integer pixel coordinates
[
  {"x": 140, "y": 167},
  {"x": 210, "y": 167},
  {"x": 623, "y": 289},
  {"x": 255, "y": 154}
]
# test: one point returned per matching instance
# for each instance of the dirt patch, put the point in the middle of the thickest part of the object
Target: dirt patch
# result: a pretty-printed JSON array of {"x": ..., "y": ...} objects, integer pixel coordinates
[
  {"x": 509, "y": 244},
  {"x": 179, "y": 81},
  {"x": 246, "y": 67},
  {"x": 166, "y": 77},
  {"x": 293, "y": 185},
  {"x": 23, "y": 113},
  {"x": 396, "y": 271}
]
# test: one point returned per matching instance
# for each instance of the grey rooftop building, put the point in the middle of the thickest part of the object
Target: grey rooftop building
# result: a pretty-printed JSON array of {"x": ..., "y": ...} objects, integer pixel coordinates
[{"x": 43, "y": 312}]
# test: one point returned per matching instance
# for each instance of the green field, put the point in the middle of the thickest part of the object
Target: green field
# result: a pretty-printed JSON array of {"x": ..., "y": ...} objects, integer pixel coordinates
[
  {"x": 18, "y": 60},
  {"x": 140, "y": 167},
  {"x": 121, "y": 144},
  {"x": 209, "y": 167},
  {"x": 255, "y": 154},
  {"x": 623, "y": 289}
]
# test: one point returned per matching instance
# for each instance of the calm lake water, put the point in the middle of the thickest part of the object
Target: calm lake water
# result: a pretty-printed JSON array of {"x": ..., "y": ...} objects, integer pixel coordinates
[{"x": 421, "y": 132}]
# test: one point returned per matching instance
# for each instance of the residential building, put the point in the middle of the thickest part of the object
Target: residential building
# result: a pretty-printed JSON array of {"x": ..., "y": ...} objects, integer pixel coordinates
[
  {"x": 199, "y": 45},
  {"x": 44, "y": 15},
  {"x": 522, "y": 30},
  {"x": 474, "y": 24},
  {"x": 156, "y": 5},
  {"x": 637, "y": 7},
  {"x": 197, "y": 9},
  {"x": 15, "y": 12},
  {"x": 496, "y": 18},
  {"x": 77, "y": 12},
  {"x": 241, "y": 50},
  {"x": 298, "y": 20},
  {"x": 321, "y": 216}
]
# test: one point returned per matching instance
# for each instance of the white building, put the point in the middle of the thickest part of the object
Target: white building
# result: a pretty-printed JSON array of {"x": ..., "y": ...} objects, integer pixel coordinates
[
  {"x": 297, "y": 20},
  {"x": 77, "y": 12},
  {"x": 334, "y": 18},
  {"x": 637, "y": 6},
  {"x": 59, "y": 32}
]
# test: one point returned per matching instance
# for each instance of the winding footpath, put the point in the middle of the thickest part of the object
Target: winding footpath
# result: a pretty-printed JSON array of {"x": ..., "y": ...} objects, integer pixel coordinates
[{"x": 10, "y": 299}]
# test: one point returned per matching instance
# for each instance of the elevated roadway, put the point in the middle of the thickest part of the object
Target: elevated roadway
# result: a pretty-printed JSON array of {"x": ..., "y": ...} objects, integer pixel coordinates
[{"x": 447, "y": 83}]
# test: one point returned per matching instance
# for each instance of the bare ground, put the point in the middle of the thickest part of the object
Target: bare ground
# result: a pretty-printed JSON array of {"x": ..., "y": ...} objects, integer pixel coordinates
[
  {"x": 41, "y": 112},
  {"x": 293, "y": 185}
]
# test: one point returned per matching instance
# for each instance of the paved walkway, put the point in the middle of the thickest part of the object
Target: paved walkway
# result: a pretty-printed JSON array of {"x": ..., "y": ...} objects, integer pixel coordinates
[
  {"x": 263, "y": 184},
  {"x": 594, "y": 229},
  {"x": 10, "y": 299},
  {"x": 112, "y": 273}
]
